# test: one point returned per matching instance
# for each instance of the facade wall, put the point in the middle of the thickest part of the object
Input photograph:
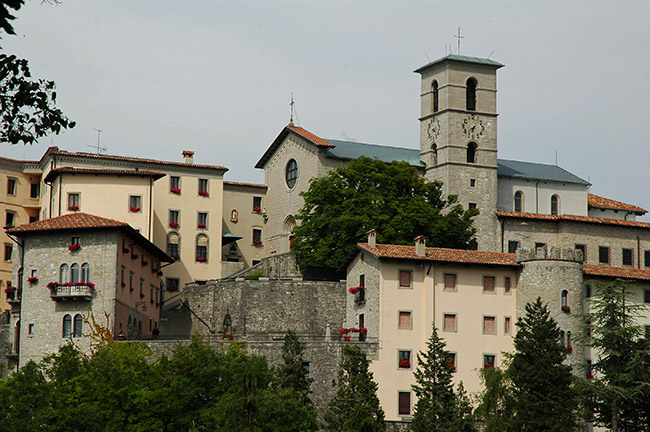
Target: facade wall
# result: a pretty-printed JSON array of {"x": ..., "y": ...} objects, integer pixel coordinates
[
  {"x": 612, "y": 214},
  {"x": 537, "y": 196}
]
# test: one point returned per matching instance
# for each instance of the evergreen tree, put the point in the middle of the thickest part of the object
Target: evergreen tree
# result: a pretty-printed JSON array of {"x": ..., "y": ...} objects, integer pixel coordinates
[
  {"x": 291, "y": 374},
  {"x": 543, "y": 394},
  {"x": 495, "y": 407},
  {"x": 355, "y": 407},
  {"x": 438, "y": 408}
]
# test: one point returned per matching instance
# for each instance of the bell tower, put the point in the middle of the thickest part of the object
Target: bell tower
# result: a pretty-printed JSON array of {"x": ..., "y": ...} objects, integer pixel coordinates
[{"x": 458, "y": 135}]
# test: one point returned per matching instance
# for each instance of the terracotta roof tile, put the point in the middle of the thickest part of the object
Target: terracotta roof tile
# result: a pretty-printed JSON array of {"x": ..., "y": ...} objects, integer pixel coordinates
[
  {"x": 68, "y": 222},
  {"x": 70, "y": 170},
  {"x": 231, "y": 183},
  {"x": 310, "y": 136},
  {"x": 573, "y": 218},
  {"x": 616, "y": 272},
  {"x": 442, "y": 255},
  {"x": 606, "y": 203}
]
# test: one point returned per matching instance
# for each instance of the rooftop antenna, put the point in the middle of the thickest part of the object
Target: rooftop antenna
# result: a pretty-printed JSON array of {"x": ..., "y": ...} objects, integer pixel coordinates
[
  {"x": 98, "y": 147},
  {"x": 425, "y": 54},
  {"x": 490, "y": 54},
  {"x": 459, "y": 37}
]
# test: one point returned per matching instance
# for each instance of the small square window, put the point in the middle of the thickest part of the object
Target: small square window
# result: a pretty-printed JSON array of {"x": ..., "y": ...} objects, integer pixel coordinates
[
  {"x": 489, "y": 325},
  {"x": 75, "y": 241},
  {"x": 506, "y": 285},
  {"x": 175, "y": 184},
  {"x": 488, "y": 360},
  {"x": 471, "y": 205},
  {"x": 488, "y": 284},
  {"x": 472, "y": 182},
  {"x": 135, "y": 203},
  {"x": 11, "y": 186},
  {"x": 506, "y": 325},
  {"x": 603, "y": 254},
  {"x": 172, "y": 284},
  {"x": 10, "y": 219},
  {"x": 34, "y": 190},
  {"x": 646, "y": 296},
  {"x": 74, "y": 201},
  {"x": 628, "y": 257},
  {"x": 404, "y": 320},
  {"x": 305, "y": 368},
  {"x": 203, "y": 187},
  {"x": 450, "y": 282},
  {"x": 449, "y": 322},
  {"x": 405, "y": 278},
  {"x": 202, "y": 220},
  {"x": 512, "y": 246},
  {"x": 33, "y": 219},
  {"x": 404, "y": 404},
  {"x": 34, "y": 273},
  {"x": 583, "y": 249},
  {"x": 404, "y": 359},
  {"x": 8, "y": 250},
  {"x": 257, "y": 204},
  {"x": 31, "y": 329},
  {"x": 587, "y": 291}
]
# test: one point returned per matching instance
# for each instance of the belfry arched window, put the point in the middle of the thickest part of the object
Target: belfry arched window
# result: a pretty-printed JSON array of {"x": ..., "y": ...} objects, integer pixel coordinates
[
  {"x": 471, "y": 152},
  {"x": 519, "y": 201},
  {"x": 434, "y": 154},
  {"x": 434, "y": 91},
  {"x": 471, "y": 94},
  {"x": 555, "y": 205}
]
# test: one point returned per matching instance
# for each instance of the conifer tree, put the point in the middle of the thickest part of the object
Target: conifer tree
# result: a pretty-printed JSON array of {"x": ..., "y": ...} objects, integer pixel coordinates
[
  {"x": 438, "y": 408},
  {"x": 355, "y": 407},
  {"x": 543, "y": 395},
  {"x": 291, "y": 374}
]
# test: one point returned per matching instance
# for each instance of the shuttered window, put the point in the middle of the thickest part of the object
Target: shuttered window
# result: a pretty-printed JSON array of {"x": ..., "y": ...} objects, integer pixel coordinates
[
  {"x": 404, "y": 403},
  {"x": 404, "y": 278},
  {"x": 450, "y": 281},
  {"x": 449, "y": 322},
  {"x": 405, "y": 320},
  {"x": 488, "y": 284},
  {"x": 489, "y": 325}
]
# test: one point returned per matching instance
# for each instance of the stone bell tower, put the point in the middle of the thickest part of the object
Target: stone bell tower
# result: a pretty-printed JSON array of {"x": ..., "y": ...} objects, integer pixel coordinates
[{"x": 458, "y": 135}]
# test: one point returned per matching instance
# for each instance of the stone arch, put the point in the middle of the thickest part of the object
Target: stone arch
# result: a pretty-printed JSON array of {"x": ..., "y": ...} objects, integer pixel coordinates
[
  {"x": 288, "y": 227},
  {"x": 434, "y": 93},
  {"x": 470, "y": 93}
]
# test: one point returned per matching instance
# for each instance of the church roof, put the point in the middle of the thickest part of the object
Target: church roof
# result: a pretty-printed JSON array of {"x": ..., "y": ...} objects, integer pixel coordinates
[
  {"x": 348, "y": 150},
  {"x": 461, "y": 58},
  {"x": 537, "y": 171},
  {"x": 461, "y": 256},
  {"x": 596, "y": 201}
]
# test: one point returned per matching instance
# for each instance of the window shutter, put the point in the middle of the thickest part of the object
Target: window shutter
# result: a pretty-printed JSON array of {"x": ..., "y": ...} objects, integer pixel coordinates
[
  {"x": 450, "y": 281},
  {"x": 404, "y": 403},
  {"x": 488, "y": 283},
  {"x": 405, "y": 278}
]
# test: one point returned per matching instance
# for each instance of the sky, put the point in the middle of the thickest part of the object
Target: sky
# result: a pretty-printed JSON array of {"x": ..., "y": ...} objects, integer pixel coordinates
[{"x": 216, "y": 77}]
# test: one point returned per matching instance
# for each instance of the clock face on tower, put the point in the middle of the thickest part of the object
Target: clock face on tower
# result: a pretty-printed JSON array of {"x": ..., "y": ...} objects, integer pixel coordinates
[
  {"x": 473, "y": 127},
  {"x": 433, "y": 130}
]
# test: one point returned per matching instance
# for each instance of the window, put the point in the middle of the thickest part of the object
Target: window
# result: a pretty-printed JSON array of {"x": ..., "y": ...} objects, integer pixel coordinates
[
  {"x": 450, "y": 282},
  {"x": 583, "y": 249},
  {"x": 449, "y": 322},
  {"x": 404, "y": 320},
  {"x": 175, "y": 184},
  {"x": 470, "y": 94},
  {"x": 451, "y": 361},
  {"x": 471, "y": 152},
  {"x": 555, "y": 205},
  {"x": 488, "y": 285},
  {"x": 540, "y": 246},
  {"x": 472, "y": 182},
  {"x": 404, "y": 359},
  {"x": 30, "y": 329},
  {"x": 305, "y": 368},
  {"x": 519, "y": 201},
  {"x": 8, "y": 249},
  {"x": 405, "y": 278},
  {"x": 10, "y": 219},
  {"x": 361, "y": 295},
  {"x": 202, "y": 221},
  {"x": 64, "y": 273},
  {"x": 506, "y": 285},
  {"x": 434, "y": 91},
  {"x": 628, "y": 257},
  {"x": 203, "y": 187},
  {"x": 512, "y": 246},
  {"x": 603, "y": 254},
  {"x": 471, "y": 205},
  {"x": 257, "y": 204},
  {"x": 11, "y": 186},
  {"x": 506, "y": 325},
  {"x": 67, "y": 326},
  {"x": 85, "y": 272},
  {"x": 646, "y": 296},
  {"x": 141, "y": 288},
  {"x": 488, "y": 360},
  {"x": 202, "y": 248},
  {"x": 404, "y": 403},
  {"x": 122, "y": 280},
  {"x": 257, "y": 237},
  {"x": 34, "y": 190},
  {"x": 291, "y": 173},
  {"x": 75, "y": 240},
  {"x": 33, "y": 219},
  {"x": 489, "y": 325},
  {"x": 74, "y": 273},
  {"x": 135, "y": 202},
  {"x": 34, "y": 273},
  {"x": 564, "y": 300},
  {"x": 173, "y": 245},
  {"x": 174, "y": 218},
  {"x": 587, "y": 291},
  {"x": 78, "y": 326},
  {"x": 74, "y": 201},
  {"x": 362, "y": 323},
  {"x": 172, "y": 284},
  {"x": 646, "y": 258},
  {"x": 131, "y": 281},
  {"x": 255, "y": 262}
]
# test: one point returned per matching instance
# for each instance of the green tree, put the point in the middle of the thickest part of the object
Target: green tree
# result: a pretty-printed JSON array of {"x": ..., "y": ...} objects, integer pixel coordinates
[
  {"x": 438, "y": 407},
  {"x": 355, "y": 407},
  {"x": 291, "y": 374},
  {"x": 618, "y": 394},
  {"x": 543, "y": 394},
  {"x": 495, "y": 403},
  {"x": 369, "y": 194}
]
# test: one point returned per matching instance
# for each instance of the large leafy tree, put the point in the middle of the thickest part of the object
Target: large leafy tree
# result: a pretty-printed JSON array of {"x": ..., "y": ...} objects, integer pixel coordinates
[
  {"x": 619, "y": 393},
  {"x": 439, "y": 408},
  {"x": 392, "y": 199},
  {"x": 355, "y": 406},
  {"x": 495, "y": 403}
]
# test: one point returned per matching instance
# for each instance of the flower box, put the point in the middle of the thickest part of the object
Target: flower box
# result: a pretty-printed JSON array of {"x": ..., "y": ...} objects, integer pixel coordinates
[
  {"x": 204, "y": 193},
  {"x": 135, "y": 256},
  {"x": 566, "y": 308},
  {"x": 488, "y": 366},
  {"x": 134, "y": 209},
  {"x": 141, "y": 296},
  {"x": 145, "y": 263},
  {"x": 257, "y": 242},
  {"x": 176, "y": 191},
  {"x": 569, "y": 348},
  {"x": 73, "y": 247},
  {"x": 10, "y": 290},
  {"x": 201, "y": 259},
  {"x": 404, "y": 364},
  {"x": 73, "y": 208},
  {"x": 32, "y": 279},
  {"x": 123, "y": 284},
  {"x": 257, "y": 209},
  {"x": 452, "y": 367},
  {"x": 173, "y": 225},
  {"x": 355, "y": 290},
  {"x": 201, "y": 226}
]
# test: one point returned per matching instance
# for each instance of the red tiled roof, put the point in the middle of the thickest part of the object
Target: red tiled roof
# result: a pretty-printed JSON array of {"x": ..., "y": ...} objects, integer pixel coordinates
[
  {"x": 316, "y": 140},
  {"x": 573, "y": 218},
  {"x": 231, "y": 183},
  {"x": 615, "y": 272},
  {"x": 70, "y": 170},
  {"x": 442, "y": 255},
  {"x": 68, "y": 222},
  {"x": 606, "y": 203},
  {"x": 310, "y": 136}
]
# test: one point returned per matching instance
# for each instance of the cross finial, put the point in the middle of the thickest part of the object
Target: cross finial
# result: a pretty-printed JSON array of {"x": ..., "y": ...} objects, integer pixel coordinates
[
  {"x": 459, "y": 37},
  {"x": 291, "y": 117}
]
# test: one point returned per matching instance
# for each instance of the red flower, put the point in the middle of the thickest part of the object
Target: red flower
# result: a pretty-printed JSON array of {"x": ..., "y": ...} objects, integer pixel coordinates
[
  {"x": 141, "y": 295},
  {"x": 566, "y": 308},
  {"x": 32, "y": 279},
  {"x": 123, "y": 284},
  {"x": 344, "y": 331},
  {"x": 257, "y": 242},
  {"x": 175, "y": 190},
  {"x": 257, "y": 209},
  {"x": 363, "y": 330},
  {"x": 404, "y": 364},
  {"x": 73, "y": 208},
  {"x": 488, "y": 365},
  {"x": 452, "y": 367},
  {"x": 173, "y": 224},
  {"x": 10, "y": 290},
  {"x": 201, "y": 225},
  {"x": 201, "y": 259},
  {"x": 356, "y": 289},
  {"x": 73, "y": 247},
  {"x": 204, "y": 193}
]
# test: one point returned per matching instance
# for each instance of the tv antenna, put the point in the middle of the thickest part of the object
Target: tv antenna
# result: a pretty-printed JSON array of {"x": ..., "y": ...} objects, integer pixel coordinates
[
  {"x": 459, "y": 37},
  {"x": 98, "y": 148}
]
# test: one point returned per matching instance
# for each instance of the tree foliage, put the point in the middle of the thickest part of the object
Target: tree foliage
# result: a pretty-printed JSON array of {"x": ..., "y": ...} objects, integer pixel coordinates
[
  {"x": 439, "y": 408},
  {"x": 355, "y": 407},
  {"x": 366, "y": 194},
  {"x": 496, "y": 405},
  {"x": 291, "y": 373}
]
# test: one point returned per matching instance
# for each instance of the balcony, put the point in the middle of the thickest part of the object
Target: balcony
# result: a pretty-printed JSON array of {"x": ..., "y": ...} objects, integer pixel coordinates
[{"x": 63, "y": 292}]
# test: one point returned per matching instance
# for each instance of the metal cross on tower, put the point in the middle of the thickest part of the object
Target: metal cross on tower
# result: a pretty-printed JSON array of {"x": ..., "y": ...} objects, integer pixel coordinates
[{"x": 459, "y": 37}]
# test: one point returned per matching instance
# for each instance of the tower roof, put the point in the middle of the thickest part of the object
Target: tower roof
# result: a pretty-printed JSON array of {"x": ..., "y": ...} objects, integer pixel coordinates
[{"x": 460, "y": 58}]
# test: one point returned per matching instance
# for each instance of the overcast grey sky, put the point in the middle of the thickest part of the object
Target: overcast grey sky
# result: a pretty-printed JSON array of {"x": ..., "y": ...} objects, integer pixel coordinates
[{"x": 216, "y": 77}]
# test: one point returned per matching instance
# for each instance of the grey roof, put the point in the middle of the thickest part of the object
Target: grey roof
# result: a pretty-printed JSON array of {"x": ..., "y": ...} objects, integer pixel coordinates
[
  {"x": 536, "y": 171},
  {"x": 467, "y": 59},
  {"x": 348, "y": 150}
]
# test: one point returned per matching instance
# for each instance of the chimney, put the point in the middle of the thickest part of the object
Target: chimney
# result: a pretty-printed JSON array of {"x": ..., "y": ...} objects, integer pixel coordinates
[
  {"x": 188, "y": 156},
  {"x": 420, "y": 246},
  {"x": 372, "y": 238}
]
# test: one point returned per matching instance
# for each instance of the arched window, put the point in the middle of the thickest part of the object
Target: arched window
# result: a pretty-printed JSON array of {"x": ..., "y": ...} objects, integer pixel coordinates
[
  {"x": 471, "y": 152},
  {"x": 64, "y": 274},
  {"x": 173, "y": 245},
  {"x": 565, "y": 298},
  {"x": 291, "y": 173},
  {"x": 471, "y": 94},
  {"x": 519, "y": 201},
  {"x": 562, "y": 338},
  {"x": 85, "y": 272},
  {"x": 434, "y": 89},
  {"x": 74, "y": 272},
  {"x": 434, "y": 154},
  {"x": 202, "y": 248},
  {"x": 78, "y": 325},
  {"x": 568, "y": 339},
  {"x": 67, "y": 326},
  {"x": 555, "y": 205}
]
